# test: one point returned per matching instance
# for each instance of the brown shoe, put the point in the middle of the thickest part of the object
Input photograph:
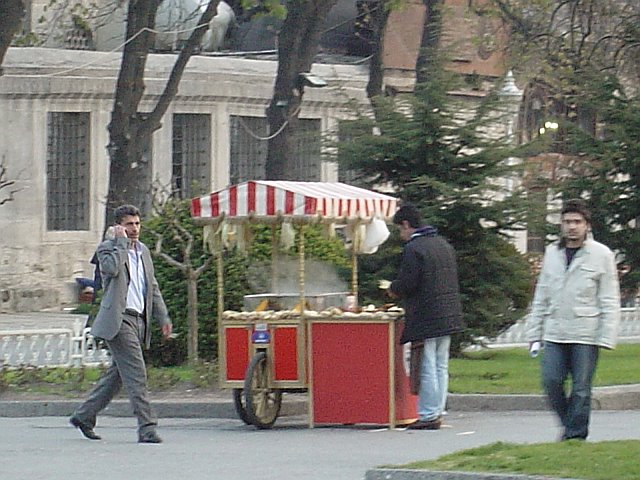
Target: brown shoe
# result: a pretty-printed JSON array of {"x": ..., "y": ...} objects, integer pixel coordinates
[{"x": 434, "y": 424}]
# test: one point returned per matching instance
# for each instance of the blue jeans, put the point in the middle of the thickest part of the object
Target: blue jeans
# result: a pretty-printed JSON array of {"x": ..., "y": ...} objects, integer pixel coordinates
[
  {"x": 434, "y": 378},
  {"x": 560, "y": 360}
]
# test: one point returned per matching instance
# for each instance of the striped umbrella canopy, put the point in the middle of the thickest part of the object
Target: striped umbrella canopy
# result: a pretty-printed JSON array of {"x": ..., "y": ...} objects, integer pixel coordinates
[{"x": 260, "y": 200}]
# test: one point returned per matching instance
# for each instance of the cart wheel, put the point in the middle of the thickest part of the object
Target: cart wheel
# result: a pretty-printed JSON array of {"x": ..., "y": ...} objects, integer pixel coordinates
[
  {"x": 262, "y": 404},
  {"x": 238, "y": 402}
]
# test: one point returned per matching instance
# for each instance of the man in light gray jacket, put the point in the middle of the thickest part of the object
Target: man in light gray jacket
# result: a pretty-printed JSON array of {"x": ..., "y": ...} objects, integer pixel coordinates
[
  {"x": 575, "y": 312},
  {"x": 131, "y": 299}
]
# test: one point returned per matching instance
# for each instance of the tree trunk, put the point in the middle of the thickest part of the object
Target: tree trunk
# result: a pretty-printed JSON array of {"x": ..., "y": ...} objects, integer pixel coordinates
[
  {"x": 130, "y": 174},
  {"x": 11, "y": 15},
  {"x": 130, "y": 131},
  {"x": 297, "y": 47},
  {"x": 192, "y": 315},
  {"x": 431, "y": 33},
  {"x": 376, "y": 66}
]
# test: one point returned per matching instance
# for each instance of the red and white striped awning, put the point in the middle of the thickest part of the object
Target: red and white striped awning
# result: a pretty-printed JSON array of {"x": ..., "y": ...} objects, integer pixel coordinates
[{"x": 266, "y": 199}]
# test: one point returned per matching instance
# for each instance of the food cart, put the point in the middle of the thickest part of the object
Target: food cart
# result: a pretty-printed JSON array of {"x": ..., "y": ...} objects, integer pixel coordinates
[{"x": 346, "y": 358}]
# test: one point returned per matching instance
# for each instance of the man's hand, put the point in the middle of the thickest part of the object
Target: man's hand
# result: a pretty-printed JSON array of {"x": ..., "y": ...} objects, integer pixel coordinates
[
  {"x": 167, "y": 330},
  {"x": 534, "y": 348},
  {"x": 119, "y": 231}
]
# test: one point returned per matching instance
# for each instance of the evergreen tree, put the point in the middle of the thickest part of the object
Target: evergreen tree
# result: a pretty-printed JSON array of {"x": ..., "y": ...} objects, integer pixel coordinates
[
  {"x": 439, "y": 155},
  {"x": 583, "y": 54},
  {"x": 608, "y": 170}
]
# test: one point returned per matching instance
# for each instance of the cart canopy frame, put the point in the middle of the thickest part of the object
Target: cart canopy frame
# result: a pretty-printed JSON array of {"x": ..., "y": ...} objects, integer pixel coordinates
[{"x": 301, "y": 202}]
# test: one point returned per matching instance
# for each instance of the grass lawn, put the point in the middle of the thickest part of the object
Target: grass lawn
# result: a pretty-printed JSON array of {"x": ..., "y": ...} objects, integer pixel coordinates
[
  {"x": 498, "y": 371},
  {"x": 71, "y": 382},
  {"x": 509, "y": 371},
  {"x": 573, "y": 459}
]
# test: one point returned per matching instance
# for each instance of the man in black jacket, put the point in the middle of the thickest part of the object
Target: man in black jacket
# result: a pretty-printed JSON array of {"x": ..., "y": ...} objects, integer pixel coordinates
[{"x": 428, "y": 284}]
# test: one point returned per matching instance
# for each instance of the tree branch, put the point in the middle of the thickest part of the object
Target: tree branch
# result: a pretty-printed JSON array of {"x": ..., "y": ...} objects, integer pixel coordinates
[
  {"x": 171, "y": 88},
  {"x": 171, "y": 261},
  {"x": 204, "y": 266}
]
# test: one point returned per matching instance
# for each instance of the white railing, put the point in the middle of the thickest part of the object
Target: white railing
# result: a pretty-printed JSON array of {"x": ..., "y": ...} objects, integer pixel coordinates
[
  {"x": 629, "y": 330},
  {"x": 54, "y": 347},
  {"x": 66, "y": 347}
]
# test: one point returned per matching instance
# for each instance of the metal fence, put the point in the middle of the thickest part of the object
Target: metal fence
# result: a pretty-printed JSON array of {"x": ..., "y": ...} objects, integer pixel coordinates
[
  {"x": 628, "y": 332},
  {"x": 53, "y": 347},
  {"x": 74, "y": 347}
]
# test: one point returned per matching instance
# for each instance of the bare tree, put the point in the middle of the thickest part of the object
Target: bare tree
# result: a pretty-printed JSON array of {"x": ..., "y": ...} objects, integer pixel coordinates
[
  {"x": 298, "y": 43},
  {"x": 175, "y": 232},
  {"x": 11, "y": 14},
  {"x": 574, "y": 33},
  {"x": 581, "y": 60},
  {"x": 130, "y": 130}
]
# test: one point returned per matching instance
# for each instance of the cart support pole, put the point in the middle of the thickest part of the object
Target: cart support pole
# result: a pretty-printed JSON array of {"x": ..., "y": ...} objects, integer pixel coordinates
[
  {"x": 392, "y": 374},
  {"x": 220, "y": 270},
  {"x": 354, "y": 273},
  {"x": 274, "y": 258},
  {"x": 301, "y": 269},
  {"x": 303, "y": 324}
]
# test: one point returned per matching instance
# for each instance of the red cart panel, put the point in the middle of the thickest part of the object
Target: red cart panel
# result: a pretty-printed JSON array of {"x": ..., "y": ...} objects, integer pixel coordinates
[
  {"x": 285, "y": 356},
  {"x": 284, "y": 342},
  {"x": 236, "y": 352},
  {"x": 358, "y": 374}
]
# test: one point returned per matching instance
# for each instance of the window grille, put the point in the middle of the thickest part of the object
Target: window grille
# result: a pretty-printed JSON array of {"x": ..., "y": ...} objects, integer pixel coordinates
[
  {"x": 68, "y": 164},
  {"x": 249, "y": 154},
  {"x": 191, "y": 174},
  {"x": 307, "y": 147}
]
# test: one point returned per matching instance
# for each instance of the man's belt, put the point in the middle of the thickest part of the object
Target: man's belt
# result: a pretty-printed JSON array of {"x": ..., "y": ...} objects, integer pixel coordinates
[{"x": 133, "y": 313}]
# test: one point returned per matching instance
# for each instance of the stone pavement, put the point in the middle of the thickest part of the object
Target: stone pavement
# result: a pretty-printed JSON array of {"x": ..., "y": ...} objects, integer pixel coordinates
[{"x": 48, "y": 448}]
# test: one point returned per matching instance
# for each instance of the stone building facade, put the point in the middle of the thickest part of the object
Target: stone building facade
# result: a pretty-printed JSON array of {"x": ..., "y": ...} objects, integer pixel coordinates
[{"x": 56, "y": 107}]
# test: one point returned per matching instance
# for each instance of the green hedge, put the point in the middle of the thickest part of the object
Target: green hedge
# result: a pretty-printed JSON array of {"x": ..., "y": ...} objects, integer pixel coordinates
[{"x": 238, "y": 270}]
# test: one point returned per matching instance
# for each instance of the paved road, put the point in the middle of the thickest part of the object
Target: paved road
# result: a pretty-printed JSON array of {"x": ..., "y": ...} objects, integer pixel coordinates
[{"x": 47, "y": 448}]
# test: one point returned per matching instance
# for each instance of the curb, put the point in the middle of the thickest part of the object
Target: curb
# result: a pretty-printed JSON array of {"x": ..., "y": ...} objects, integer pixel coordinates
[
  {"x": 406, "y": 474},
  {"x": 122, "y": 408},
  {"x": 619, "y": 397},
  {"x": 624, "y": 397}
]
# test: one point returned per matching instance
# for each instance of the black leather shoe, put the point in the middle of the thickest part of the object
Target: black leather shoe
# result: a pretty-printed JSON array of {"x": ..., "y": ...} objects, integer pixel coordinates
[
  {"x": 434, "y": 424},
  {"x": 149, "y": 437},
  {"x": 86, "y": 430}
]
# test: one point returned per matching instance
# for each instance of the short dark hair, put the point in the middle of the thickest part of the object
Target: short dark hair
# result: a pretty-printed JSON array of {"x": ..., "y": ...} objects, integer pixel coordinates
[
  {"x": 125, "y": 210},
  {"x": 410, "y": 214},
  {"x": 576, "y": 205}
]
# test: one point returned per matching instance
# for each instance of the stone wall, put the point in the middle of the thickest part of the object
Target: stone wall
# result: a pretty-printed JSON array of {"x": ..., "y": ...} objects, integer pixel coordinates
[{"x": 38, "y": 266}]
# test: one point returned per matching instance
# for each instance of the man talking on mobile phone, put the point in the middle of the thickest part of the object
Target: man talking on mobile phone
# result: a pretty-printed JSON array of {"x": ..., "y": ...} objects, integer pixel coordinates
[{"x": 131, "y": 299}]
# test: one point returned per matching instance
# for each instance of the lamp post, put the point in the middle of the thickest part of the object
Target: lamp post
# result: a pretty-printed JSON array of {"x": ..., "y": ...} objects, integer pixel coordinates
[{"x": 511, "y": 97}]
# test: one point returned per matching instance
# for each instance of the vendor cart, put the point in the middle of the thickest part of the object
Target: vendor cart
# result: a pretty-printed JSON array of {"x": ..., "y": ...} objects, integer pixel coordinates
[{"x": 346, "y": 358}]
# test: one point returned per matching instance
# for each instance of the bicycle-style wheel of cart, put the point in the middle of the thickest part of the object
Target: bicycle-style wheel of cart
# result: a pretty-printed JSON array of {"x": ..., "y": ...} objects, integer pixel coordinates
[
  {"x": 239, "y": 404},
  {"x": 260, "y": 403}
]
